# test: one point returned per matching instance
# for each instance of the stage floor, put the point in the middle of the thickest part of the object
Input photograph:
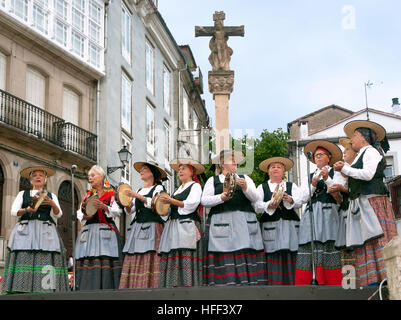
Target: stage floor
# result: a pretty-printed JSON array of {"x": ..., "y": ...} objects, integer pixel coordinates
[{"x": 211, "y": 293}]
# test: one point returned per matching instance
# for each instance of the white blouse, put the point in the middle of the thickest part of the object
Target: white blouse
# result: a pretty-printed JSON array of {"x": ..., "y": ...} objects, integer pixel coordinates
[
  {"x": 370, "y": 161},
  {"x": 17, "y": 204},
  {"x": 209, "y": 199},
  {"x": 193, "y": 200},
  {"x": 337, "y": 179},
  {"x": 260, "y": 206}
]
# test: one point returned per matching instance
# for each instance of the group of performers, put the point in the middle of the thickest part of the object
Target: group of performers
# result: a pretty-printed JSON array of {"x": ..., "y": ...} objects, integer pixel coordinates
[{"x": 346, "y": 196}]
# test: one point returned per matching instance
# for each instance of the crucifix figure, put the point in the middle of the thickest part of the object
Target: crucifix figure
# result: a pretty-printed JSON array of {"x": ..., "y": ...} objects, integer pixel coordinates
[
  {"x": 220, "y": 55},
  {"x": 221, "y": 78}
]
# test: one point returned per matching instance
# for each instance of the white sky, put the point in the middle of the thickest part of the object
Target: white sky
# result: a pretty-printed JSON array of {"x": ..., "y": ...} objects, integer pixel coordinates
[{"x": 297, "y": 56}]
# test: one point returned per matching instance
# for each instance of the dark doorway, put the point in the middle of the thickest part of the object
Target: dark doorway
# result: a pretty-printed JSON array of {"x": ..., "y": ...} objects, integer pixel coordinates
[
  {"x": 64, "y": 224},
  {"x": 1, "y": 195}
]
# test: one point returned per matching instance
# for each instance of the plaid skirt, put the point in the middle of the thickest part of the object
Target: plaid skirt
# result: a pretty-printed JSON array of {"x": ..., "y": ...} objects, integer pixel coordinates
[
  {"x": 142, "y": 270},
  {"x": 35, "y": 271},
  {"x": 370, "y": 268}
]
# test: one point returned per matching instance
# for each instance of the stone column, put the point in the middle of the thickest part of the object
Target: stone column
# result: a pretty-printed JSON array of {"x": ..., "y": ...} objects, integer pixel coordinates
[
  {"x": 221, "y": 84},
  {"x": 392, "y": 261}
]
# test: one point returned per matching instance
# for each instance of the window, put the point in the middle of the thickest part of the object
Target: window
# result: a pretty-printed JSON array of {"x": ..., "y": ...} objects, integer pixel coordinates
[
  {"x": 126, "y": 172},
  {"x": 70, "y": 106},
  {"x": 36, "y": 95},
  {"x": 60, "y": 8},
  {"x": 126, "y": 34},
  {"x": 389, "y": 170},
  {"x": 60, "y": 32},
  {"x": 126, "y": 103},
  {"x": 149, "y": 68},
  {"x": 3, "y": 71},
  {"x": 167, "y": 184},
  {"x": 40, "y": 16},
  {"x": 35, "y": 88},
  {"x": 196, "y": 133},
  {"x": 166, "y": 89},
  {"x": 94, "y": 55},
  {"x": 167, "y": 146},
  {"x": 150, "y": 130},
  {"x": 20, "y": 8}
]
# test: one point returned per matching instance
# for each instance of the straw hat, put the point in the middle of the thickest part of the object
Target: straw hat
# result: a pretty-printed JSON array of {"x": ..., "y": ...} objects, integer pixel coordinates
[
  {"x": 345, "y": 142},
  {"x": 26, "y": 173},
  {"x": 139, "y": 165},
  {"x": 287, "y": 163},
  {"x": 238, "y": 156},
  {"x": 350, "y": 127},
  {"x": 335, "y": 151},
  {"x": 174, "y": 164}
]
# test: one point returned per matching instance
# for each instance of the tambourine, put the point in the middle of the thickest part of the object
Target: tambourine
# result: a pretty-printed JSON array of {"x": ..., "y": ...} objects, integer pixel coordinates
[
  {"x": 229, "y": 184},
  {"x": 89, "y": 205},
  {"x": 158, "y": 206},
  {"x": 278, "y": 194},
  {"x": 122, "y": 199},
  {"x": 37, "y": 199}
]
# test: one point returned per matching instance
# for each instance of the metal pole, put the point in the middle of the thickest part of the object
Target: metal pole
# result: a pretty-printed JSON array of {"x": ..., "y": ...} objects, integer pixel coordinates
[
  {"x": 73, "y": 217},
  {"x": 314, "y": 281}
]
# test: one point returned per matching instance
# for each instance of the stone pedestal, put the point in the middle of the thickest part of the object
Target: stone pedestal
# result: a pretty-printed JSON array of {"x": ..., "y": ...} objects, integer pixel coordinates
[
  {"x": 221, "y": 84},
  {"x": 392, "y": 261}
]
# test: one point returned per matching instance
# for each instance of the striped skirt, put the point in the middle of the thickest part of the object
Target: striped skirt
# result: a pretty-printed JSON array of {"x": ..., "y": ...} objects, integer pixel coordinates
[
  {"x": 370, "y": 269},
  {"x": 328, "y": 265},
  {"x": 244, "y": 267},
  {"x": 142, "y": 270},
  {"x": 280, "y": 267},
  {"x": 103, "y": 272},
  {"x": 182, "y": 267},
  {"x": 35, "y": 271}
]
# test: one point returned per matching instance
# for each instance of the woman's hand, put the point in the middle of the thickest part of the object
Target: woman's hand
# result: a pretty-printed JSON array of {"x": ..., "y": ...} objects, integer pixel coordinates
[
  {"x": 242, "y": 183},
  {"x": 166, "y": 199},
  {"x": 273, "y": 205},
  {"x": 288, "y": 198},
  {"x": 100, "y": 205},
  {"x": 338, "y": 166},
  {"x": 225, "y": 197}
]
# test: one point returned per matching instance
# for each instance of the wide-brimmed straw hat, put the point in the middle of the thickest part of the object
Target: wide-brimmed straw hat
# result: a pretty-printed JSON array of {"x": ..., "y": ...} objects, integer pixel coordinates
[
  {"x": 175, "y": 164},
  {"x": 335, "y": 151},
  {"x": 345, "y": 142},
  {"x": 350, "y": 128},
  {"x": 26, "y": 173},
  {"x": 238, "y": 156},
  {"x": 287, "y": 163},
  {"x": 139, "y": 165}
]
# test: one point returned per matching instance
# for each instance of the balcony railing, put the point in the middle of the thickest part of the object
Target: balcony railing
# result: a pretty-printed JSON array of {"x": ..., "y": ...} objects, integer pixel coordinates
[{"x": 44, "y": 125}]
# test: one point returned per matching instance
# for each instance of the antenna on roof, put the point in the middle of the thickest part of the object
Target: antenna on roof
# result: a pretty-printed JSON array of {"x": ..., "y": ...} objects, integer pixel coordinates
[{"x": 367, "y": 84}]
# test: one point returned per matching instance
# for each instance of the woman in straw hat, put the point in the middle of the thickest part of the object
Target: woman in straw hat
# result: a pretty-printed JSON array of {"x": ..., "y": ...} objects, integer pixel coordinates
[
  {"x": 141, "y": 267},
  {"x": 98, "y": 246},
  {"x": 324, "y": 208},
  {"x": 349, "y": 154},
  {"x": 370, "y": 219},
  {"x": 279, "y": 221},
  {"x": 35, "y": 247},
  {"x": 235, "y": 253},
  {"x": 180, "y": 245}
]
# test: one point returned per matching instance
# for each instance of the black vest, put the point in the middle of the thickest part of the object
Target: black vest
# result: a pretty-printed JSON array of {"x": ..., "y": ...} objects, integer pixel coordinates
[
  {"x": 320, "y": 194},
  {"x": 239, "y": 202},
  {"x": 374, "y": 186},
  {"x": 144, "y": 214},
  {"x": 43, "y": 212},
  {"x": 181, "y": 197},
  {"x": 281, "y": 212}
]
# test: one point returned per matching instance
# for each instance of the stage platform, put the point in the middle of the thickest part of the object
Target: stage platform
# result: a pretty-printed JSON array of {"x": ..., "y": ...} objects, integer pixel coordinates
[{"x": 212, "y": 293}]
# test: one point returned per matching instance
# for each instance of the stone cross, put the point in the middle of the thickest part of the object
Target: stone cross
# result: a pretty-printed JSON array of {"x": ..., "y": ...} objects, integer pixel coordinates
[{"x": 221, "y": 78}]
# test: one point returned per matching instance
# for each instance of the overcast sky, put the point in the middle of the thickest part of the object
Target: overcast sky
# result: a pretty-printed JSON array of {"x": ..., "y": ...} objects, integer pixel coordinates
[{"x": 297, "y": 56}]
